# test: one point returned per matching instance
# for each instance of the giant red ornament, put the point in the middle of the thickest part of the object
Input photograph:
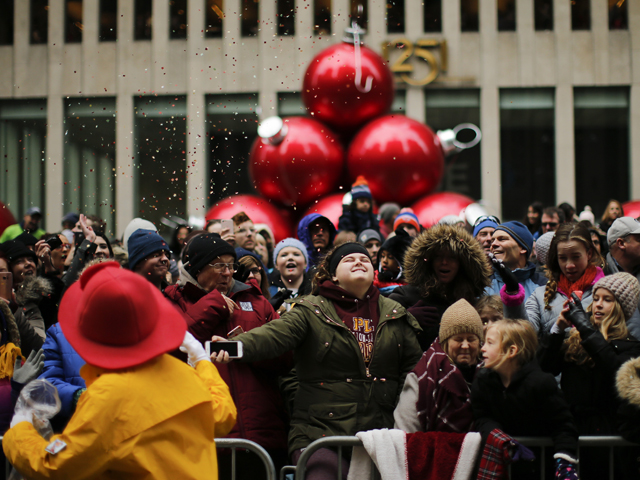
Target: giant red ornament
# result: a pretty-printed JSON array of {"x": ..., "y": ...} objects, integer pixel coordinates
[
  {"x": 631, "y": 208},
  {"x": 258, "y": 209},
  {"x": 339, "y": 92},
  {"x": 295, "y": 162},
  {"x": 433, "y": 207},
  {"x": 6, "y": 217},
  {"x": 401, "y": 158},
  {"x": 330, "y": 207}
]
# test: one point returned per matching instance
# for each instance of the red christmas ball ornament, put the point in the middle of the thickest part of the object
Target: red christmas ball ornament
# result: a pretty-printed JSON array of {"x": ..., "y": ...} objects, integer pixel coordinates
[
  {"x": 433, "y": 207},
  {"x": 348, "y": 84},
  {"x": 631, "y": 208},
  {"x": 295, "y": 161},
  {"x": 257, "y": 209},
  {"x": 401, "y": 158},
  {"x": 6, "y": 217},
  {"x": 330, "y": 207}
]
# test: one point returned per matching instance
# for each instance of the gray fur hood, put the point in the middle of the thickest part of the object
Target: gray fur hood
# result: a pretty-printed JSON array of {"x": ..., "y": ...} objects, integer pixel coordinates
[
  {"x": 474, "y": 270},
  {"x": 33, "y": 289},
  {"x": 628, "y": 381}
]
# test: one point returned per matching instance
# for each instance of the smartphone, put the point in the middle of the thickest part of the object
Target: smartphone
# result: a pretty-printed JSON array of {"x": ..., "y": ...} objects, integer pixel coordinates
[
  {"x": 235, "y": 332},
  {"x": 54, "y": 242},
  {"x": 233, "y": 348},
  {"x": 227, "y": 225},
  {"x": 6, "y": 284}
]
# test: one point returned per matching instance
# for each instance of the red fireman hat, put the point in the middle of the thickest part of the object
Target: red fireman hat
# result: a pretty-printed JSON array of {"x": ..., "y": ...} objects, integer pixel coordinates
[{"x": 117, "y": 319}]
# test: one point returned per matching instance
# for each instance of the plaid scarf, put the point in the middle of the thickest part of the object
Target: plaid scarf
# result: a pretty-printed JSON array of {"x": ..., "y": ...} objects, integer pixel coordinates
[{"x": 496, "y": 456}]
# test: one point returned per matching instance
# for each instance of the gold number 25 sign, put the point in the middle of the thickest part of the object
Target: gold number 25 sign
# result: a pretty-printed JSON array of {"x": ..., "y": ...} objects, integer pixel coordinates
[{"x": 423, "y": 50}]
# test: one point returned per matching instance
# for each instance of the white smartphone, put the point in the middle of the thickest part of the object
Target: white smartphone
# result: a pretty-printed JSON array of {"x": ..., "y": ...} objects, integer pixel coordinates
[
  {"x": 227, "y": 225},
  {"x": 234, "y": 349}
]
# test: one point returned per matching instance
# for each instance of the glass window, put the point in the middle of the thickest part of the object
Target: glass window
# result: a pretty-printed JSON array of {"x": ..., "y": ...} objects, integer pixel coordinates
[
  {"x": 580, "y": 14},
  {"x": 395, "y": 16},
  {"x": 432, "y": 16},
  {"x": 360, "y": 13},
  {"x": 178, "y": 19},
  {"x": 469, "y": 21},
  {"x": 249, "y": 21},
  {"x": 286, "y": 17},
  {"x": 213, "y": 18},
  {"x": 160, "y": 146},
  {"x": 232, "y": 127},
  {"x": 322, "y": 17},
  {"x": 601, "y": 122},
  {"x": 6, "y": 22},
  {"x": 73, "y": 21},
  {"x": 446, "y": 108},
  {"x": 143, "y": 20},
  {"x": 527, "y": 149},
  {"x": 89, "y": 157},
  {"x": 39, "y": 21},
  {"x": 543, "y": 14},
  {"x": 108, "y": 20},
  {"x": 506, "y": 15},
  {"x": 618, "y": 15},
  {"x": 23, "y": 131}
]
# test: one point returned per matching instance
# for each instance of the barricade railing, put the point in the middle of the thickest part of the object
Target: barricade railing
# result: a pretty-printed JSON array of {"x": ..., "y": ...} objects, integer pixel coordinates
[
  {"x": 339, "y": 443},
  {"x": 239, "y": 443}
]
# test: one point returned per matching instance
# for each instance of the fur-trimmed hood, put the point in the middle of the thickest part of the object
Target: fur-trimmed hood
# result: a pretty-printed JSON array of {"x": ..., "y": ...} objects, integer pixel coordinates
[
  {"x": 628, "y": 381},
  {"x": 474, "y": 272},
  {"x": 33, "y": 289}
]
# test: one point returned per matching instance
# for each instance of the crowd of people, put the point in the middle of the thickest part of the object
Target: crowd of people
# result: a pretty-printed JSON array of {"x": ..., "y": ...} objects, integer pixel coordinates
[{"x": 510, "y": 329}]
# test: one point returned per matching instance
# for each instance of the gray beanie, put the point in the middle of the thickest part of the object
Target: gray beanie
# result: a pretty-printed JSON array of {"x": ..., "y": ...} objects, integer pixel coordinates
[
  {"x": 625, "y": 288},
  {"x": 459, "y": 318},
  {"x": 290, "y": 242},
  {"x": 542, "y": 247}
]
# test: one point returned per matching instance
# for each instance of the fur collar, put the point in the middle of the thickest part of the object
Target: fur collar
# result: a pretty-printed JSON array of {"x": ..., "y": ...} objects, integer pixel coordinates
[
  {"x": 33, "y": 289},
  {"x": 628, "y": 381}
]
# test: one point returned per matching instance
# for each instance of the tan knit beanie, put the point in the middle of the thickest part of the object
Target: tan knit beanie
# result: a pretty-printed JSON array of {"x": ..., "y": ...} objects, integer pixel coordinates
[
  {"x": 459, "y": 318},
  {"x": 625, "y": 288}
]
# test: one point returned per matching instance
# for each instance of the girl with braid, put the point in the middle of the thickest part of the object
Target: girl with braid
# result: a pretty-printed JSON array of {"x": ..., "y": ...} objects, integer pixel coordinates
[{"x": 571, "y": 267}]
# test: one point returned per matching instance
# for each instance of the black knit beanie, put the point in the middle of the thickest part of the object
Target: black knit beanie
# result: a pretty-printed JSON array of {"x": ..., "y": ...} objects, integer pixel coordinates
[
  {"x": 202, "y": 249},
  {"x": 344, "y": 250}
]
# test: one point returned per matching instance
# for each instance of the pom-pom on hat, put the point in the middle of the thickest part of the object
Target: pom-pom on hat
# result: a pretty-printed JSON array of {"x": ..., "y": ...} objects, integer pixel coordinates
[
  {"x": 117, "y": 319},
  {"x": 625, "y": 288},
  {"x": 360, "y": 189},
  {"x": 459, "y": 318},
  {"x": 542, "y": 247}
]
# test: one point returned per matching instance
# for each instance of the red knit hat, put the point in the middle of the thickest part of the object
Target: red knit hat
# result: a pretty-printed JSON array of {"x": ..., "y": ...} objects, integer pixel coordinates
[{"x": 117, "y": 319}]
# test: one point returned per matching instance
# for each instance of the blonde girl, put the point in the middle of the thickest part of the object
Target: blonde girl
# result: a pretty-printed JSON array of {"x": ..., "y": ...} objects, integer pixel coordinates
[{"x": 514, "y": 395}]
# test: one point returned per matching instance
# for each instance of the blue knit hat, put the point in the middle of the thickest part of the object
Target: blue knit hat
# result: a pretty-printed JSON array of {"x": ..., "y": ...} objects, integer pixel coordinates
[
  {"x": 484, "y": 224},
  {"x": 519, "y": 233},
  {"x": 143, "y": 243},
  {"x": 360, "y": 189},
  {"x": 290, "y": 242}
]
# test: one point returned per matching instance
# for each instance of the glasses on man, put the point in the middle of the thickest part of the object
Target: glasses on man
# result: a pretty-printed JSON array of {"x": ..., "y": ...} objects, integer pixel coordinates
[
  {"x": 221, "y": 267},
  {"x": 482, "y": 218},
  {"x": 550, "y": 224}
]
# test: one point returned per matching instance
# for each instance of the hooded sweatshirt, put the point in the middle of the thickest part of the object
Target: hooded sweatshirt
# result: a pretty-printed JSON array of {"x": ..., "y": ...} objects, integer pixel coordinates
[
  {"x": 305, "y": 237},
  {"x": 360, "y": 316}
]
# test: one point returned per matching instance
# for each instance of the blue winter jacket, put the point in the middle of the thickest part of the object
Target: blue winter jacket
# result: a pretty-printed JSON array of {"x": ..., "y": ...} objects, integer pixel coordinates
[
  {"x": 305, "y": 237},
  {"x": 62, "y": 368}
]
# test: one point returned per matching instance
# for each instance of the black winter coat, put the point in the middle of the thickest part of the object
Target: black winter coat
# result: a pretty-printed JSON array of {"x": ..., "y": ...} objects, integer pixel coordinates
[
  {"x": 531, "y": 406},
  {"x": 590, "y": 391}
]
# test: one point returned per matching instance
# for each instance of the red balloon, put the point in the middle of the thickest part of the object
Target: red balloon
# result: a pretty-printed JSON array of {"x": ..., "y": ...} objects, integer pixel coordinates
[
  {"x": 329, "y": 91},
  {"x": 433, "y": 207},
  {"x": 303, "y": 167},
  {"x": 401, "y": 158},
  {"x": 6, "y": 217},
  {"x": 258, "y": 209},
  {"x": 631, "y": 208},
  {"x": 330, "y": 207}
]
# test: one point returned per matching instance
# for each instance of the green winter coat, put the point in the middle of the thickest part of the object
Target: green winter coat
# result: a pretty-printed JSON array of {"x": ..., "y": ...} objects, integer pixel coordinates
[{"x": 337, "y": 394}]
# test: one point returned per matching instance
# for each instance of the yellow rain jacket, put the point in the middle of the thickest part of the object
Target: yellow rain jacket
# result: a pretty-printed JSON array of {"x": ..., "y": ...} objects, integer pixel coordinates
[{"x": 155, "y": 421}]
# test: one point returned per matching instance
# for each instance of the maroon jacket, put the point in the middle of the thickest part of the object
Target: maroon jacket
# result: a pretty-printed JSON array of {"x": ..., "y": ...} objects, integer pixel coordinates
[{"x": 254, "y": 387}]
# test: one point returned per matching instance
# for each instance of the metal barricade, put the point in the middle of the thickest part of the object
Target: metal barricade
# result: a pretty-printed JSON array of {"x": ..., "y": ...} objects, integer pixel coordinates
[
  {"x": 236, "y": 443},
  {"x": 339, "y": 443}
]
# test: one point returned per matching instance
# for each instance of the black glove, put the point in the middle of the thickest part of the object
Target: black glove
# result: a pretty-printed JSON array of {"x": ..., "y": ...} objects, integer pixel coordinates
[
  {"x": 509, "y": 279},
  {"x": 579, "y": 318},
  {"x": 278, "y": 299},
  {"x": 241, "y": 274}
]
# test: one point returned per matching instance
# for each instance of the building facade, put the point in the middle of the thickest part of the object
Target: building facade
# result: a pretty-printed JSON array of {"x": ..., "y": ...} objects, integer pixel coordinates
[{"x": 149, "y": 107}]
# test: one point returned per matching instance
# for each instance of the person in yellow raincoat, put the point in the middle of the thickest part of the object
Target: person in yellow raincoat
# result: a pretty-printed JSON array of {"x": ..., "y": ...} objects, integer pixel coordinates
[{"x": 145, "y": 414}]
